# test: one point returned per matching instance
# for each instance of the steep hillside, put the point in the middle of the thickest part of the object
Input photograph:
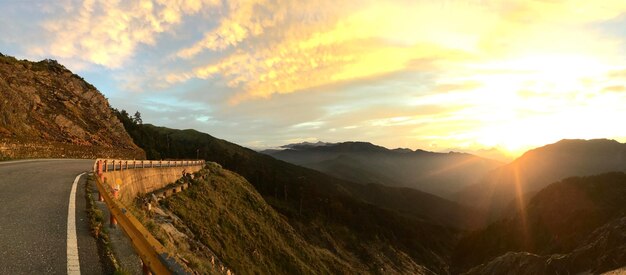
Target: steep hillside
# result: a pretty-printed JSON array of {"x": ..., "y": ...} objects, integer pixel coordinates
[
  {"x": 327, "y": 211},
  {"x": 539, "y": 167},
  {"x": 441, "y": 174},
  {"x": 47, "y": 111},
  {"x": 557, "y": 220},
  {"x": 230, "y": 217},
  {"x": 227, "y": 215}
]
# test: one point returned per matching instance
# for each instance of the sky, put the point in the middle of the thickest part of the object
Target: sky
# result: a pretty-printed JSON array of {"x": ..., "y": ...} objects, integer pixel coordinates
[{"x": 475, "y": 76}]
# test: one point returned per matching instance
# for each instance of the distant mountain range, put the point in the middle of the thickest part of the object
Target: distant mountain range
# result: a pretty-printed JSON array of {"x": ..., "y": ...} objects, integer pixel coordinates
[
  {"x": 468, "y": 179},
  {"x": 539, "y": 167},
  {"x": 442, "y": 174},
  {"x": 571, "y": 226}
]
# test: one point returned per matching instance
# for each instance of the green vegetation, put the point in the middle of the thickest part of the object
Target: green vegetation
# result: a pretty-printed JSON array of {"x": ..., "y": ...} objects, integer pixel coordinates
[
  {"x": 227, "y": 214},
  {"x": 327, "y": 212},
  {"x": 98, "y": 229}
]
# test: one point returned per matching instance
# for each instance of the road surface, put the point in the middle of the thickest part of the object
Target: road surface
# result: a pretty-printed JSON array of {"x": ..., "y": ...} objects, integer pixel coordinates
[{"x": 34, "y": 203}]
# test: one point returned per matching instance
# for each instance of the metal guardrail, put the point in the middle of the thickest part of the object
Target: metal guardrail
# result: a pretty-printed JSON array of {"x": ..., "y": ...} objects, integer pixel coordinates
[
  {"x": 151, "y": 251},
  {"x": 118, "y": 164}
]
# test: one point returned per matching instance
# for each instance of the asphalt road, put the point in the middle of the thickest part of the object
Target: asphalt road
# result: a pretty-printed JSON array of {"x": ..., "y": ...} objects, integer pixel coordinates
[{"x": 34, "y": 198}]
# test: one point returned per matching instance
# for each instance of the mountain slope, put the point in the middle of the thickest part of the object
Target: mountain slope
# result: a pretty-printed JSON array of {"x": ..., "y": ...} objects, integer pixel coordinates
[
  {"x": 539, "y": 167},
  {"x": 438, "y": 173},
  {"x": 330, "y": 213},
  {"x": 47, "y": 111},
  {"x": 603, "y": 251},
  {"x": 227, "y": 215},
  {"x": 557, "y": 220}
]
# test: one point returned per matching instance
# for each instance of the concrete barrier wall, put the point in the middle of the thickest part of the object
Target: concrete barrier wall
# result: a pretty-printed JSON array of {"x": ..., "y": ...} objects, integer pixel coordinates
[{"x": 140, "y": 181}]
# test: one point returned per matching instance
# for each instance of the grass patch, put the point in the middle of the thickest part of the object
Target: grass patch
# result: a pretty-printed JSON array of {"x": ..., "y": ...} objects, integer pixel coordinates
[
  {"x": 226, "y": 214},
  {"x": 99, "y": 230}
]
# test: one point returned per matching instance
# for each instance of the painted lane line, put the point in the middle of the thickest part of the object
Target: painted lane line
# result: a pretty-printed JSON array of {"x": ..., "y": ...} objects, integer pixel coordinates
[
  {"x": 73, "y": 264},
  {"x": 33, "y": 160}
]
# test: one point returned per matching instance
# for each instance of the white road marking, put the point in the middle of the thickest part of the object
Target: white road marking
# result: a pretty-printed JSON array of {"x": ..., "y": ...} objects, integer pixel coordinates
[
  {"x": 73, "y": 264},
  {"x": 33, "y": 160}
]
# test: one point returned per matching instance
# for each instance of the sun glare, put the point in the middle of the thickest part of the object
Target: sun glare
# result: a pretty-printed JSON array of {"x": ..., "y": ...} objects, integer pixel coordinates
[{"x": 537, "y": 99}]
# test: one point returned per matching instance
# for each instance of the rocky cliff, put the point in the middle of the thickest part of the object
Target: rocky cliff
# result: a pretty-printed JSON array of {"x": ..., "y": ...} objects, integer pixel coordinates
[{"x": 48, "y": 111}]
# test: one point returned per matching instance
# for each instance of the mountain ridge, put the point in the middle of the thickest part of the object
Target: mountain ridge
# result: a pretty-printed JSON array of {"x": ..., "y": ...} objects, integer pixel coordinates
[
  {"x": 441, "y": 174},
  {"x": 535, "y": 169}
]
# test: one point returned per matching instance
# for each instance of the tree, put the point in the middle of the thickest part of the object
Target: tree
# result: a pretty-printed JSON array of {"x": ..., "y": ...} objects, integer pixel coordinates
[
  {"x": 124, "y": 113},
  {"x": 137, "y": 118}
]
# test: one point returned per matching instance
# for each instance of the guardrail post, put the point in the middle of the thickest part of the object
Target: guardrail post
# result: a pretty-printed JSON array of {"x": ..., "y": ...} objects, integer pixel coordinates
[
  {"x": 112, "y": 220},
  {"x": 99, "y": 167},
  {"x": 145, "y": 269},
  {"x": 101, "y": 176}
]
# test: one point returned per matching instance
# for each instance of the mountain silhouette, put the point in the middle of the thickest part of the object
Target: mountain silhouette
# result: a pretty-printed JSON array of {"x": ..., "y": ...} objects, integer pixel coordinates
[
  {"x": 509, "y": 186},
  {"x": 441, "y": 174}
]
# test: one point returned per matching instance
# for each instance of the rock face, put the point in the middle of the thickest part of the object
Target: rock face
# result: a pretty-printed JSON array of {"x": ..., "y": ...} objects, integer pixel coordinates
[{"x": 47, "y": 111}]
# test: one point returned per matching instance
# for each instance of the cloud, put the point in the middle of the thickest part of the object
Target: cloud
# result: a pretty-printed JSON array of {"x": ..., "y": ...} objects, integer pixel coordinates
[
  {"x": 237, "y": 26},
  {"x": 614, "y": 89},
  {"x": 430, "y": 74},
  {"x": 266, "y": 52},
  {"x": 365, "y": 43},
  {"x": 108, "y": 33}
]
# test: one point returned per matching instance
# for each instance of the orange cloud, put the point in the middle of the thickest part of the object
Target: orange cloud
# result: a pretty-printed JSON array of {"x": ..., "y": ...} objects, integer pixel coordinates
[
  {"x": 363, "y": 44},
  {"x": 271, "y": 53}
]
